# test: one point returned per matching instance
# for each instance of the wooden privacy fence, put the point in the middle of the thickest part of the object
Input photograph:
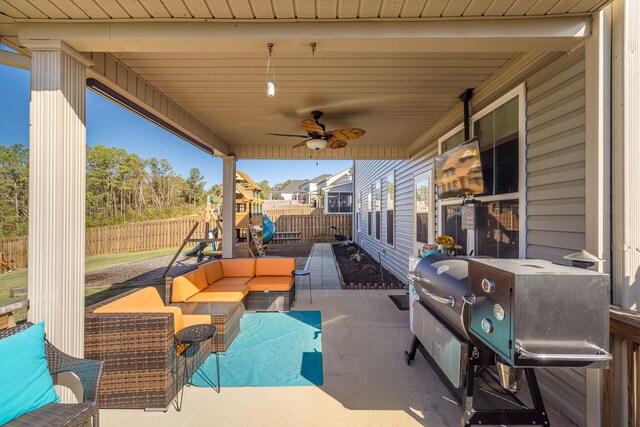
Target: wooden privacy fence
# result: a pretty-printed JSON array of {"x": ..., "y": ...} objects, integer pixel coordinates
[
  {"x": 14, "y": 252},
  {"x": 139, "y": 236},
  {"x": 132, "y": 237},
  {"x": 312, "y": 225},
  {"x": 274, "y": 214}
]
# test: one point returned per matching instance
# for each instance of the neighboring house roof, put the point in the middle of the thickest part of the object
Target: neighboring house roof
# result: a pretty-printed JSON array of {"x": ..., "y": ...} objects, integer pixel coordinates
[
  {"x": 293, "y": 186},
  {"x": 320, "y": 178}
]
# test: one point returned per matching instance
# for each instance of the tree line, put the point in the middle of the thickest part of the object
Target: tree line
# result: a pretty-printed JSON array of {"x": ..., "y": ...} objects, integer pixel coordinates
[{"x": 120, "y": 187}]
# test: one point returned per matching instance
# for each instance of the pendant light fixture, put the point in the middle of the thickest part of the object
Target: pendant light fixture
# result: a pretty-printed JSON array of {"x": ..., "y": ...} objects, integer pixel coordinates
[{"x": 270, "y": 84}]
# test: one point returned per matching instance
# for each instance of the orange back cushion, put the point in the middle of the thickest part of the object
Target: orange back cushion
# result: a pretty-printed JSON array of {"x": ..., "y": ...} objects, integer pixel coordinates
[
  {"x": 212, "y": 270},
  {"x": 275, "y": 266},
  {"x": 241, "y": 267},
  {"x": 187, "y": 285}
]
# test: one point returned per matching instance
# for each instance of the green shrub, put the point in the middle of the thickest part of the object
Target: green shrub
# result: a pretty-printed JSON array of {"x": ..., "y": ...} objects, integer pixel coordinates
[
  {"x": 352, "y": 249},
  {"x": 368, "y": 268}
]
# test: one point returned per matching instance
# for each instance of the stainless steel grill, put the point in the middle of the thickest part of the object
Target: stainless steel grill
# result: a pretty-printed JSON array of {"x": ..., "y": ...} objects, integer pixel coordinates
[{"x": 480, "y": 316}]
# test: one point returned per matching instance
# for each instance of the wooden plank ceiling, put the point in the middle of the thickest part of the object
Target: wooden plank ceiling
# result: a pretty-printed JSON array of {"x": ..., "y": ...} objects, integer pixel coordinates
[
  {"x": 393, "y": 96},
  {"x": 288, "y": 9}
]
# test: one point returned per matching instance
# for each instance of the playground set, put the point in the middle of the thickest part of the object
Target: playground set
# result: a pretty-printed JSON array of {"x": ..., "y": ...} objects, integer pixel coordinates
[{"x": 254, "y": 229}]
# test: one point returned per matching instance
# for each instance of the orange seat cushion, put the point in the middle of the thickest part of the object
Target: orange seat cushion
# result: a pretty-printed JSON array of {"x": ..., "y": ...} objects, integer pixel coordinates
[
  {"x": 212, "y": 270},
  {"x": 187, "y": 285},
  {"x": 241, "y": 267},
  {"x": 221, "y": 293},
  {"x": 275, "y": 266},
  {"x": 146, "y": 297},
  {"x": 232, "y": 281},
  {"x": 271, "y": 283}
]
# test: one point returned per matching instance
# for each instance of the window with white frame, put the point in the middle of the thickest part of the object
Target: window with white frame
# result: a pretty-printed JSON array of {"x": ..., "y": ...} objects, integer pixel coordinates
[
  {"x": 358, "y": 211},
  {"x": 369, "y": 214},
  {"x": 423, "y": 194},
  {"x": 378, "y": 203},
  {"x": 390, "y": 214},
  {"x": 497, "y": 231}
]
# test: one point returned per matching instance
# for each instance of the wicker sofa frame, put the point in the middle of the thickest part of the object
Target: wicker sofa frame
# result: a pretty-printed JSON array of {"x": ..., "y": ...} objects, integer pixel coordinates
[
  {"x": 89, "y": 372},
  {"x": 143, "y": 369}
]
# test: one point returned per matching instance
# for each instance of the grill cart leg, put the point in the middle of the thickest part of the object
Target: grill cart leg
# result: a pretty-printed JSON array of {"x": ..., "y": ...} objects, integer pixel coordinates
[
  {"x": 467, "y": 396},
  {"x": 411, "y": 354}
]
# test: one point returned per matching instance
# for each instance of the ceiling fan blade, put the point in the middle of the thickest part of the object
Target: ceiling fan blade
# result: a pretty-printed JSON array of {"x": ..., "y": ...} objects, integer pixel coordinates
[
  {"x": 312, "y": 126},
  {"x": 346, "y": 134},
  {"x": 288, "y": 134},
  {"x": 334, "y": 144},
  {"x": 301, "y": 143}
]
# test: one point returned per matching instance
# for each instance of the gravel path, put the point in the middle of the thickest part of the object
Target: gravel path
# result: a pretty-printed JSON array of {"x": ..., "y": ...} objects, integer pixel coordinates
[{"x": 148, "y": 269}]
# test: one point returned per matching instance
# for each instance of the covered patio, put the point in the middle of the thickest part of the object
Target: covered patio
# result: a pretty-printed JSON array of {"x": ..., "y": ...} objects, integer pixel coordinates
[
  {"x": 366, "y": 379},
  {"x": 395, "y": 69}
]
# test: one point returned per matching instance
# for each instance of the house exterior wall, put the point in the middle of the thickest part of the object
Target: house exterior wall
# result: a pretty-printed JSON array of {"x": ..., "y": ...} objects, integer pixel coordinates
[{"x": 555, "y": 191}]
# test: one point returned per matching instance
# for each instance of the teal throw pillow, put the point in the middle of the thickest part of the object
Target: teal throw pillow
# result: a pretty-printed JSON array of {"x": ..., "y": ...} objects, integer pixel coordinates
[{"x": 25, "y": 381}]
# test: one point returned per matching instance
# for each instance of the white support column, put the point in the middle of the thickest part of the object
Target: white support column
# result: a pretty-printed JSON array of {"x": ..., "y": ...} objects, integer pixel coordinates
[
  {"x": 57, "y": 146},
  {"x": 228, "y": 207},
  {"x": 598, "y": 142},
  {"x": 625, "y": 176},
  {"x": 626, "y": 153}
]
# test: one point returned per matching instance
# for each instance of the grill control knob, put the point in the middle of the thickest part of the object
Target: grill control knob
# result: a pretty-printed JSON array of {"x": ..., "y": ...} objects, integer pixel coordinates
[
  {"x": 488, "y": 286},
  {"x": 487, "y": 326},
  {"x": 498, "y": 311}
]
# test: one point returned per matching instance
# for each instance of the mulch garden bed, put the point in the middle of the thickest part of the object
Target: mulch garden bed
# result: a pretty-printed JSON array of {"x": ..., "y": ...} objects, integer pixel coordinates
[{"x": 364, "y": 274}]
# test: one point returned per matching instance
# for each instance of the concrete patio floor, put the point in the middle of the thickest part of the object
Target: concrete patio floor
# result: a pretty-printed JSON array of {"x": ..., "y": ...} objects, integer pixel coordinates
[{"x": 366, "y": 381}]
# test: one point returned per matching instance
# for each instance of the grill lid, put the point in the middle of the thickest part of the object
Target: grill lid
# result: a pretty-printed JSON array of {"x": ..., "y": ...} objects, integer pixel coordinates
[{"x": 441, "y": 281}]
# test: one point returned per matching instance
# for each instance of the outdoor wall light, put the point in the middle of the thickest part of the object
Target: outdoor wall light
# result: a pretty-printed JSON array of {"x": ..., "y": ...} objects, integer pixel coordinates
[
  {"x": 270, "y": 84},
  {"x": 317, "y": 144}
]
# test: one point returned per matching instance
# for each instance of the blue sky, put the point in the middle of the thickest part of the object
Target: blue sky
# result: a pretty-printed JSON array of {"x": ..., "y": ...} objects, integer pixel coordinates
[{"x": 111, "y": 125}]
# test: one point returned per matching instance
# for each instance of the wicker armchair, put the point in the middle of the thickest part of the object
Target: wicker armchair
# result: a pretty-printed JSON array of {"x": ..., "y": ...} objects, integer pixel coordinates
[
  {"x": 143, "y": 367},
  {"x": 59, "y": 414}
]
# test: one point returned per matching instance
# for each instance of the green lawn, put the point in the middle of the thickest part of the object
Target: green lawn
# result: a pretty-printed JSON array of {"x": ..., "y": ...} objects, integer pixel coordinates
[{"x": 18, "y": 278}]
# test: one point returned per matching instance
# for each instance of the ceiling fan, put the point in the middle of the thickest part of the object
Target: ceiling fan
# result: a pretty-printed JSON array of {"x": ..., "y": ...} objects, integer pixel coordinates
[{"x": 317, "y": 137}]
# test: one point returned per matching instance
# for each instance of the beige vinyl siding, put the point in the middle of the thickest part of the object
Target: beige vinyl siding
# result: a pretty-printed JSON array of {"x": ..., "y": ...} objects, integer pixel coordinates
[
  {"x": 555, "y": 192},
  {"x": 395, "y": 258}
]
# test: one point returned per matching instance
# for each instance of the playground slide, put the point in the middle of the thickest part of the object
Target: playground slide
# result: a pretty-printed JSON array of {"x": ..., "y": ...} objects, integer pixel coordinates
[
  {"x": 202, "y": 246},
  {"x": 268, "y": 229}
]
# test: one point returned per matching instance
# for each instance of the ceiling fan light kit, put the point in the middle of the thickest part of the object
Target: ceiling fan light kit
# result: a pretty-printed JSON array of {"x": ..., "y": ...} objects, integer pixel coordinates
[
  {"x": 270, "y": 84},
  {"x": 319, "y": 138},
  {"x": 317, "y": 144}
]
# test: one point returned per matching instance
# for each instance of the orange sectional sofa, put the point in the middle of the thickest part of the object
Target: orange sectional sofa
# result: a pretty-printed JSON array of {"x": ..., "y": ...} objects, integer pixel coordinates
[
  {"x": 225, "y": 289},
  {"x": 261, "y": 284}
]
